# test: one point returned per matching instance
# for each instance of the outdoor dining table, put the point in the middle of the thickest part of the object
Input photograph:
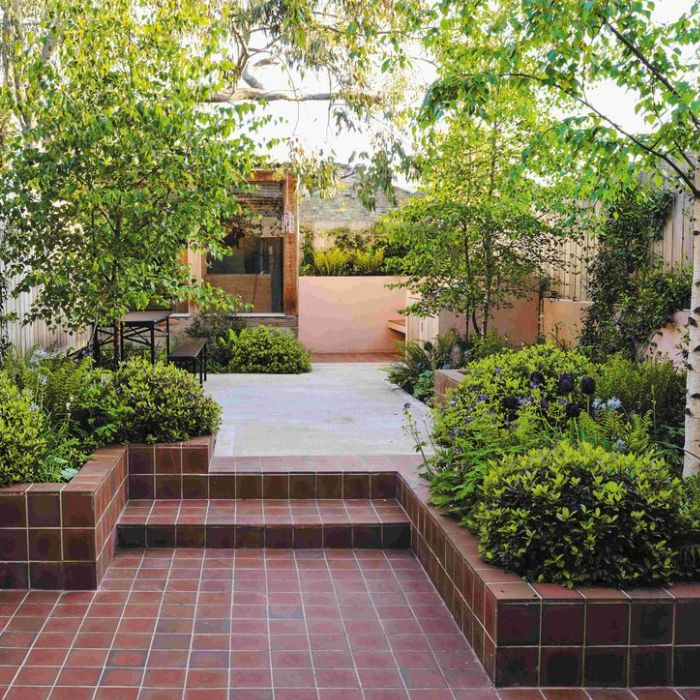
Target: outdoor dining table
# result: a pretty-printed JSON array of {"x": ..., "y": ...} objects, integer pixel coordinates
[
  {"x": 144, "y": 327},
  {"x": 141, "y": 328}
]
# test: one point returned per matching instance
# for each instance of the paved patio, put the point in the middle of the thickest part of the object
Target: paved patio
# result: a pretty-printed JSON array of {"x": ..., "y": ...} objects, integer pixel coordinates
[
  {"x": 337, "y": 409},
  {"x": 288, "y": 625}
]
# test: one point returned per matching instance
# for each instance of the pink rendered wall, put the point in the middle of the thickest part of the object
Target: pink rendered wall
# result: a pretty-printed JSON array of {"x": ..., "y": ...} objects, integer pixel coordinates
[
  {"x": 562, "y": 320},
  {"x": 517, "y": 321},
  {"x": 671, "y": 340},
  {"x": 349, "y": 314}
]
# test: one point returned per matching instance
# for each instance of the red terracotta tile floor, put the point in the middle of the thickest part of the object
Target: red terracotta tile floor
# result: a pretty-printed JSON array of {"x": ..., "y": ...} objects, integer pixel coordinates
[
  {"x": 249, "y": 624},
  {"x": 386, "y": 357}
]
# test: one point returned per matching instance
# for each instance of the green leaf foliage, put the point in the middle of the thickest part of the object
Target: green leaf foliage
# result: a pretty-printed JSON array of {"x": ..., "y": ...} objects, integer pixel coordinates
[
  {"x": 163, "y": 403},
  {"x": 421, "y": 360},
  {"x": 651, "y": 387},
  {"x": 633, "y": 294},
  {"x": 564, "y": 49},
  {"x": 581, "y": 515},
  {"x": 23, "y": 444},
  {"x": 266, "y": 351},
  {"x": 120, "y": 169}
]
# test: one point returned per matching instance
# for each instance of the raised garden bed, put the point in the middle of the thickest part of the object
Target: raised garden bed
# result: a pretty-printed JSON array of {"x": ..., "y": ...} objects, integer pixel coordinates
[
  {"x": 547, "y": 635},
  {"x": 63, "y": 535}
]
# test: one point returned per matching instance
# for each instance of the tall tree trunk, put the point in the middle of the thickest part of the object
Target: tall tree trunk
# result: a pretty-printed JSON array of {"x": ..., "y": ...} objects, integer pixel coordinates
[
  {"x": 116, "y": 345},
  {"x": 692, "y": 407}
]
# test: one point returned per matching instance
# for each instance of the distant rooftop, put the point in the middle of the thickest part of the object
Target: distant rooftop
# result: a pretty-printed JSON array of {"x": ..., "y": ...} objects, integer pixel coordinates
[{"x": 344, "y": 208}]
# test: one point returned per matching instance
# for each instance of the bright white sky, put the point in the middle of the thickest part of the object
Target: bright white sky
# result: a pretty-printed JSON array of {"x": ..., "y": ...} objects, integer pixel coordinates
[{"x": 309, "y": 121}]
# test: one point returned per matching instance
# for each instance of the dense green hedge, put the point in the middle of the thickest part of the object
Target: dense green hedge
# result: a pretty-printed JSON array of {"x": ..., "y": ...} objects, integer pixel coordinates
[
  {"x": 580, "y": 514},
  {"x": 263, "y": 350},
  {"x": 163, "y": 403}
]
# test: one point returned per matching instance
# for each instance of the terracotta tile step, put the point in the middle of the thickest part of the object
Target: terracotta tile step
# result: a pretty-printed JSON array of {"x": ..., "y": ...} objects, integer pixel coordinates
[{"x": 275, "y": 523}]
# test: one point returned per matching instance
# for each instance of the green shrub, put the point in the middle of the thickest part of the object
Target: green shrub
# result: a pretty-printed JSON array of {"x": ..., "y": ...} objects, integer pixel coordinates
[
  {"x": 23, "y": 444},
  {"x": 332, "y": 262},
  {"x": 578, "y": 515},
  {"x": 508, "y": 381},
  {"x": 215, "y": 325},
  {"x": 419, "y": 360},
  {"x": 163, "y": 403},
  {"x": 95, "y": 412},
  {"x": 368, "y": 262},
  {"x": 266, "y": 351},
  {"x": 424, "y": 388}
]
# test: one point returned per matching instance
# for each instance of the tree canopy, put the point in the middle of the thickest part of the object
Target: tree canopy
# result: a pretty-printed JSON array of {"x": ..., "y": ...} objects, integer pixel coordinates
[{"x": 118, "y": 169}]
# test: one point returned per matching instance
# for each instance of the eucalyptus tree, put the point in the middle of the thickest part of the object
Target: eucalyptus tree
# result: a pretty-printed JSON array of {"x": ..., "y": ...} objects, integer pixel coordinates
[
  {"x": 564, "y": 49},
  {"x": 117, "y": 169},
  {"x": 352, "y": 54}
]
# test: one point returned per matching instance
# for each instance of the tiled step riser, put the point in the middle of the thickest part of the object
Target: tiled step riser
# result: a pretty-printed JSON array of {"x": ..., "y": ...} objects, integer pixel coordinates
[
  {"x": 270, "y": 486},
  {"x": 386, "y": 536}
]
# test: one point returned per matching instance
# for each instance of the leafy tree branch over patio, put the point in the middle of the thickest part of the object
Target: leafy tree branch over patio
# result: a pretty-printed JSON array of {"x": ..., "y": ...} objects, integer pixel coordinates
[
  {"x": 119, "y": 170},
  {"x": 564, "y": 48}
]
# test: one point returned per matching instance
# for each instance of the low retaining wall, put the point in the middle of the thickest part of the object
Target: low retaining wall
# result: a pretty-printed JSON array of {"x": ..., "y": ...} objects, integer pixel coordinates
[
  {"x": 547, "y": 635},
  {"x": 63, "y": 535},
  {"x": 445, "y": 379},
  {"x": 173, "y": 470},
  {"x": 349, "y": 314}
]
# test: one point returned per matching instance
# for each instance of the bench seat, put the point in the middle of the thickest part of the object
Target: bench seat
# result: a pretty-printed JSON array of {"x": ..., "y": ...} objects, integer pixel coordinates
[{"x": 191, "y": 354}]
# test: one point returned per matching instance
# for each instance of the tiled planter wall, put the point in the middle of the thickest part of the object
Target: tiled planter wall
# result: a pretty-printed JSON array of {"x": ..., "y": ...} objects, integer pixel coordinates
[
  {"x": 543, "y": 634},
  {"x": 63, "y": 535},
  {"x": 172, "y": 471},
  {"x": 182, "y": 472}
]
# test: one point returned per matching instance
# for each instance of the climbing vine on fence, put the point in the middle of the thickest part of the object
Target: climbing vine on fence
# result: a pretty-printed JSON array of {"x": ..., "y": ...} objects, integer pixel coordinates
[{"x": 632, "y": 293}]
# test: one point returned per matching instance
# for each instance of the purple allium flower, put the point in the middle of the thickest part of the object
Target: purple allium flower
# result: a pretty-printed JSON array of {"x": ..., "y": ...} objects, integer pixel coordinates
[
  {"x": 510, "y": 402},
  {"x": 482, "y": 397},
  {"x": 565, "y": 385},
  {"x": 588, "y": 386},
  {"x": 573, "y": 410},
  {"x": 544, "y": 404},
  {"x": 453, "y": 403},
  {"x": 497, "y": 370},
  {"x": 536, "y": 379}
]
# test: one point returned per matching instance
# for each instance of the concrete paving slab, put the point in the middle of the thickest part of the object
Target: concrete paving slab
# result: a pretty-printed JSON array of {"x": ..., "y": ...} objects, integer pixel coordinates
[{"x": 337, "y": 409}]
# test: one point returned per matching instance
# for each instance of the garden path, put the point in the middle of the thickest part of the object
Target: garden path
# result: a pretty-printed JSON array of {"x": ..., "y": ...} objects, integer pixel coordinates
[{"x": 337, "y": 409}]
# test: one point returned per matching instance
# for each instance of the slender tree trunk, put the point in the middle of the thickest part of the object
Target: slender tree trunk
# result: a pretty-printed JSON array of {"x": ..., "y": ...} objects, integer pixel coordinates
[
  {"x": 116, "y": 345},
  {"x": 692, "y": 406}
]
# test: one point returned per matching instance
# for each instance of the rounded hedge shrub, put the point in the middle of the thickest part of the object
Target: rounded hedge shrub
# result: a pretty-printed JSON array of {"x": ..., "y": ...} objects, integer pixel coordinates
[
  {"x": 163, "y": 403},
  {"x": 22, "y": 437},
  {"x": 266, "y": 351},
  {"x": 541, "y": 376},
  {"x": 577, "y": 515}
]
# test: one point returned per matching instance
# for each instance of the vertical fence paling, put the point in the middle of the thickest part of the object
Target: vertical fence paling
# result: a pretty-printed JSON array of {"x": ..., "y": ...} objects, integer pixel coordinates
[
  {"x": 26, "y": 336},
  {"x": 569, "y": 276}
]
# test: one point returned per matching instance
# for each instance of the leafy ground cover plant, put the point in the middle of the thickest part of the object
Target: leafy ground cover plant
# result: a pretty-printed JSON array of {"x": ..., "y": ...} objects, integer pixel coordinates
[
  {"x": 266, "y": 351},
  {"x": 162, "y": 403},
  {"x": 77, "y": 404},
  {"x": 580, "y": 514},
  {"x": 23, "y": 444},
  {"x": 654, "y": 387}
]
